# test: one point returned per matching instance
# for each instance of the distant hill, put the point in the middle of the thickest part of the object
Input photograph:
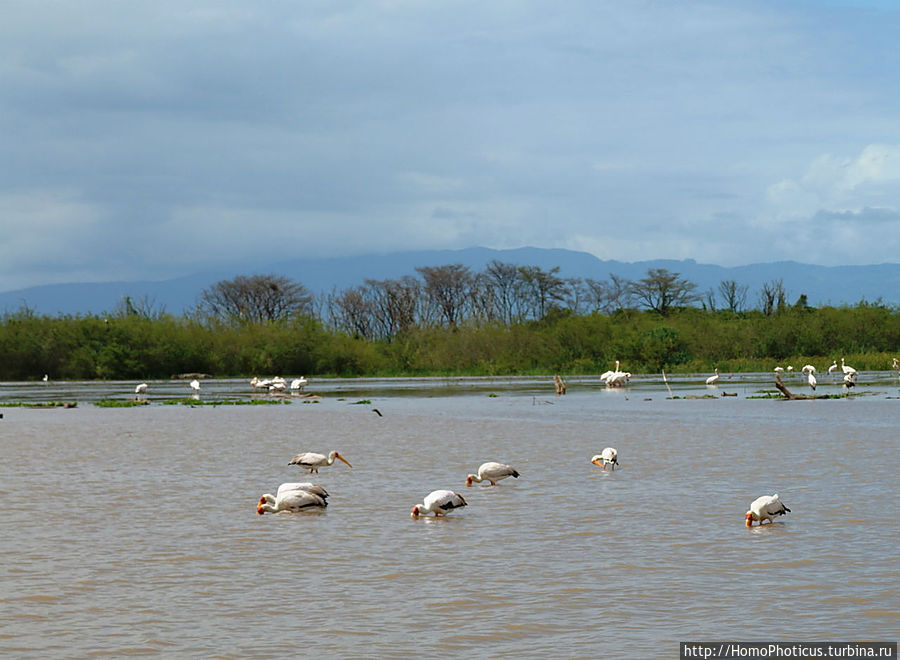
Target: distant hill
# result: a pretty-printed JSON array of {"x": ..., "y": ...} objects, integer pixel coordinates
[{"x": 822, "y": 285}]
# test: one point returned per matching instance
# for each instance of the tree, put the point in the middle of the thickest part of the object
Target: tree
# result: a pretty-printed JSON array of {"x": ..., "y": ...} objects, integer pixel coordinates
[
  {"x": 544, "y": 288},
  {"x": 772, "y": 297},
  {"x": 662, "y": 290},
  {"x": 503, "y": 280},
  {"x": 255, "y": 299},
  {"x": 734, "y": 295},
  {"x": 448, "y": 287}
]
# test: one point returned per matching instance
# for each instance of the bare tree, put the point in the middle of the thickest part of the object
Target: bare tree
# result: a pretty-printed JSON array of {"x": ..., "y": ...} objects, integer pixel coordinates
[
  {"x": 448, "y": 287},
  {"x": 620, "y": 295},
  {"x": 772, "y": 297},
  {"x": 733, "y": 294},
  {"x": 661, "y": 290},
  {"x": 351, "y": 310},
  {"x": 503, "y": 279},
  {"x": 255, "y": 299},
  {"x": 144, "y": 307},
  {"x": 545, "y": 289},
  {"x": 395, "y": 305}
]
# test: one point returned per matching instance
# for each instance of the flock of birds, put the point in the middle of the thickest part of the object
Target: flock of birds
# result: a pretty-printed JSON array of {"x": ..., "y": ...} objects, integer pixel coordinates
[
  {"x": 612, "y": 378},
  {"x": 294, "y": 497},
  {"x": 276, "y": 384},
  {"x": 850, "y": 374}
]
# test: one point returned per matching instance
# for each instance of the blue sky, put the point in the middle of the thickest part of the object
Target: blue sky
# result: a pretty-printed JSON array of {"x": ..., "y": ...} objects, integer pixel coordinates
[{"x": 152, "y": 140}]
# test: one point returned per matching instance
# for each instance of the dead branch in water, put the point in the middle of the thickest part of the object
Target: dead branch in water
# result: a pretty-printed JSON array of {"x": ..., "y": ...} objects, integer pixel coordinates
[
  {"x": 796, "y": 397},
  {"x": 559, "y": 384}
]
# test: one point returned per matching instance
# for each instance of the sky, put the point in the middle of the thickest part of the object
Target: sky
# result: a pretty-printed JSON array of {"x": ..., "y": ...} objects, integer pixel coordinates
[{"x": 151, "y": 140}]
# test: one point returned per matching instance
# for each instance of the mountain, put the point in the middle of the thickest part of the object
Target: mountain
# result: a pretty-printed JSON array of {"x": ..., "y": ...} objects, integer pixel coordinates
[{"x": 822, "y": 285}]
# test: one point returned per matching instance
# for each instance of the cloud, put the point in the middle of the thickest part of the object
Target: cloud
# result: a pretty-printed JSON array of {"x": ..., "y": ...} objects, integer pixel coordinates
[{"x": 156, "y": 139}]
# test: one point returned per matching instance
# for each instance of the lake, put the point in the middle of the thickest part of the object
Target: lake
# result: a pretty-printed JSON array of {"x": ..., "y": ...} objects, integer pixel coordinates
[{"x": 134, "y": 530}]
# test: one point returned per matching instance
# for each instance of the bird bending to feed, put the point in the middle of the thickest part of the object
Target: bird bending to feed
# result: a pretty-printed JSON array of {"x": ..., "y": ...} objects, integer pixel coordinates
[
  {"x": 608, "y": 456},
  {"x": 712, "y": 380},
  {"x": 299, "y": 383},
  {"x": 492, "y": 472},
  {"x": 811, "y": 379},
  {"x": 850, "y": 379},
  {"x": 765, "y": 508},
  {"x": 313, "y": 462},
  {"x": 140, "y": 389},
  {"x": 195, "y": 385},
  {"x": 315, "y": 489},
  {"x": 291, "y": 500},
  {"x": 438, "y": 502}
]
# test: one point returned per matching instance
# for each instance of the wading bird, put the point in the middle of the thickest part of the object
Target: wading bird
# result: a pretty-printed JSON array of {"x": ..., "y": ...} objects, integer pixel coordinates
[
  {"x": 608, "y": 456},
  {"x": 712, "y": 380},
  {"x": 315, "y": 489},
  {"x": 299, "y": 383},
  {"x": 293, "y": 501},
  {"x": 141, "y": 389},
  {"x": 195, "y": 385},
  {"x": 438, "y": 502},
  {"x": 765, "y": 508},
  {"x": 492, "y": 472},
  {"x": 846, "y": 368},
  {"x": 313, "y": 462}
]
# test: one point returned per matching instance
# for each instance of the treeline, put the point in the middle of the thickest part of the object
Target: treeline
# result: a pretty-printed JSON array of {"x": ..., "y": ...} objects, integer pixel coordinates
[{"x": 450, "y": 321}]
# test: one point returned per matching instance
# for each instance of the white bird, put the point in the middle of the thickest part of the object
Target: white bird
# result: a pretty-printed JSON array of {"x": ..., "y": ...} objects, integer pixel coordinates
[
  {"x": 439, "y": 502},
  {"x": 277, "y": 386},
  {"x": 141, "y": 389},
  {"x": 765, "y": 508},
  {"x": 846, "y": 368},
  {"x": 850, "y": 379},
  {"x": 492, "y": 472},
  {"x": 832, "y": 367},
  {"x": 790, "y": 368},
  {"x": 46, "y": 378},
  {"x": 779, "y": 370},
  {"x": 896, "y": 364},
  {"x": 811, "y": 379},
  {"x": 299, "y": 383},
  {"x": 712, "y": 380},
  {"x": 291, "y": 500},
  {"x": 608, "y": 374},
  {"x": 808, "y": 369},
  {"x": 195, "y": 385},
  {"x": 313, "y": 462},
  {"x": 315, "y": 489},
  {"x": 608, "y": 456}
]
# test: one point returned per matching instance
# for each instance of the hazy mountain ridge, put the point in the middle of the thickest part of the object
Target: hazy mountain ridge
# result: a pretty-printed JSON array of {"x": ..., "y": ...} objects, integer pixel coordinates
[{"x": 822, "y": 284}]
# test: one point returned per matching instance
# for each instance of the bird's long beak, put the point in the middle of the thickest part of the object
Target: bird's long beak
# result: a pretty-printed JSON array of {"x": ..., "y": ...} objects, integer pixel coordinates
[
  {"x": 596, "y": 462},
  {"x": 343, "y": 459},
  {"x": 748, "y": 520}
]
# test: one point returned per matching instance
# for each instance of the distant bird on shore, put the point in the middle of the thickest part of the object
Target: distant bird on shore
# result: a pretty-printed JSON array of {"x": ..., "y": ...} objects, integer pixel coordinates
[
  {"x": 313, "y": 462},
  {"x": 608, "y": 456},
  {"x": 195, "y": 385},
  {"x": 765, "y": 508},
  {"x": 299, "y": 383},
  {"x": 141, "y": 389},
  {"x": 712, "y": 380},
  {"x": 439, "y": 502},
  {"x": 46, "y": 378},
  {"x": 492, "y": 472}
]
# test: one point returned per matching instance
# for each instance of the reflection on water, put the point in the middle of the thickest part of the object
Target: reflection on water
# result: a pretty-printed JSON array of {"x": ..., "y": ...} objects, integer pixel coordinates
[{"x": 135, "y": 530}]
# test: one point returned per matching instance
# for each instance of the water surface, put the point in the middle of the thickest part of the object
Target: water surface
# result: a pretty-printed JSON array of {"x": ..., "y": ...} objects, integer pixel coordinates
[{"x": 134, "y": 531}]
